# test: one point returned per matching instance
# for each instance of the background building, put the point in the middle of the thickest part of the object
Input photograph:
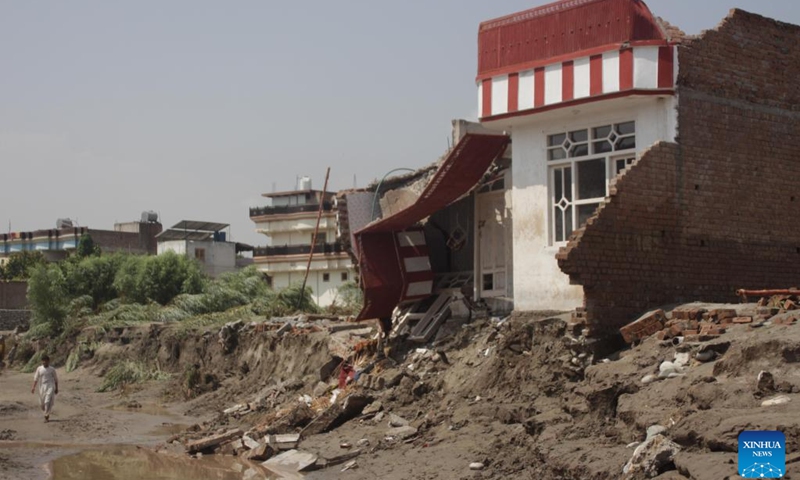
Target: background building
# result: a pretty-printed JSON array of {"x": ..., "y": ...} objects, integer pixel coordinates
[
  {"x": 133, "y": 237},
  {"x": 206, "y": 242},
  {"x": 289, "y": 223}
]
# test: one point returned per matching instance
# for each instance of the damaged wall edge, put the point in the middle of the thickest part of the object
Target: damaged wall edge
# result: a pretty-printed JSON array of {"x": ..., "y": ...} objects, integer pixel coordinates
[{"x": 699, "y": 219}]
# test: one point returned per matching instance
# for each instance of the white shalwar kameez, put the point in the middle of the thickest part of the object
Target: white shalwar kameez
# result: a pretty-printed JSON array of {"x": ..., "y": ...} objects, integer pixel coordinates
[{"x": 47, "y": 379}]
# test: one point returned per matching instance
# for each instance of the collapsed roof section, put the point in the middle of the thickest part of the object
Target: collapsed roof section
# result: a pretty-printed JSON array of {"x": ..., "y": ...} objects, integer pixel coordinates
[{"x": 385, "y": 247}]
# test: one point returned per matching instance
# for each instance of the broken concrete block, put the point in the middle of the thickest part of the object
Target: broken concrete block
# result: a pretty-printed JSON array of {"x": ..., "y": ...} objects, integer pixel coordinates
[
  {"x": 401, "y": 433},
  {"x": 476, "y": 466},
  {"x": 649, "y": 379},
  {"x": 397, "y": 421},
  {"x": 290, "y": 462},
  {"x": 373, "y": 407},
  {"x": 644, "y": 326},
  {"x": 651, "y": 457},
  {"x": 705, "y": 356},
  {"x": 235, "y": 409},
  {"x": 250, "y": 442},
  {"x": 681, "y": 359},
  {"x": 779, "y": 400},
  {"x": 261, "y": 453},
  {"x": 323, "y": 462},
  {"x": 285, "y": 328},
  {"x": 287, "y": 441},
  {"x": 212, "y": 441},
  {"x": 337, "y": 414},
  {"x": 654, "y": 430}
]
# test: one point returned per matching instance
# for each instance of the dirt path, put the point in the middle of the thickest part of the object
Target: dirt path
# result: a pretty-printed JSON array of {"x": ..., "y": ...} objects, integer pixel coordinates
[{"x": 82, "y": 419}]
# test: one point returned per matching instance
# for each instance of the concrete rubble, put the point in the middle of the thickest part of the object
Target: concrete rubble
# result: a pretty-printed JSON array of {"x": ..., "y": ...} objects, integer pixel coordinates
[{"x": 540, "y": 381}]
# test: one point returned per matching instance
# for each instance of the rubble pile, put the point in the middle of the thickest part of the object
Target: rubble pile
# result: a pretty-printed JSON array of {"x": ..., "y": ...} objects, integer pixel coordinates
[
  {"x": 525, "y": 396},
  {"x": 698, "y": 324}
]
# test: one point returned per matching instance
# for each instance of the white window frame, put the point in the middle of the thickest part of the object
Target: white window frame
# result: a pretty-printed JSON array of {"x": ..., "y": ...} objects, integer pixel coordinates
[{"x": 611, "y": 158}]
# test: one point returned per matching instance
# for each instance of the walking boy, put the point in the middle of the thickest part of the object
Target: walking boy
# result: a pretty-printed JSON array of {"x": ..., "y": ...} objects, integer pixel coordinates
[{"x": 47, "y": 379}]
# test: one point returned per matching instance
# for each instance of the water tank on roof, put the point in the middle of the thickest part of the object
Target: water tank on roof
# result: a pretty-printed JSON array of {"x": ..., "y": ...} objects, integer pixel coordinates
[
  {"x": 149, "y": 217},
  {"x": 63, "y": 223},
  {"x": 304, "y": 183}
]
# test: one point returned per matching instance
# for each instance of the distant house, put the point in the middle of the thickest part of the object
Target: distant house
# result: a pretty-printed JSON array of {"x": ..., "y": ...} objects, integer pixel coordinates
[
  {"x": 133, "y": 237},
  {"x": 289, "y": 222},
  {"x": 205, "y": 242}
]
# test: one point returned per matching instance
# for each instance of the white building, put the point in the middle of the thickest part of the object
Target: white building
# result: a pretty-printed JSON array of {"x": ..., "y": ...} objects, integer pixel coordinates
[
  {"x": 578, "y": 111},
  {"x": 202, "y": 241},
  {"x": 579, "y": 104},
  {"x": 289, "y": 222}
]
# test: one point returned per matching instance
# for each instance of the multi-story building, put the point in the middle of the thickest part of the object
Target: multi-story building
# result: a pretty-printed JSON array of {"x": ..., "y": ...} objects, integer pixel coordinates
[{"x": 289, "y": 222}]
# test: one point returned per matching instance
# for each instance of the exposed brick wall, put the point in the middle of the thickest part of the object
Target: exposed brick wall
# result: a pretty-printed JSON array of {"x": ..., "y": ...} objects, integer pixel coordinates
[
  {"x": 11, "y": 319},
  {"x": 143, "y": 241},
  {"x": 717, "y": 211},
  {"x": 13, "y": 295}
]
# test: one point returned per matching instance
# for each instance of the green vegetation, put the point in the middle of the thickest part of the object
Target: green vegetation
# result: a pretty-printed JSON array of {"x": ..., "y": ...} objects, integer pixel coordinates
[
  {"x": 349, "y": 301},
  {"x": 129, "y": 372},
  {"x": 20, "y": 265},
  {"x": 121, "y": 290}
]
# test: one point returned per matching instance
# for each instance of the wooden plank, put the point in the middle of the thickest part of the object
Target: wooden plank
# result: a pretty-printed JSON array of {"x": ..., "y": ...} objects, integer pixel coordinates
[{"x": 433, "y": 319}]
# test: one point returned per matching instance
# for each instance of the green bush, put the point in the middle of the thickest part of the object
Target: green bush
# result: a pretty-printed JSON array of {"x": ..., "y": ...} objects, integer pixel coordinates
[
  {"x": 93, "y": 276},
  {"x": 20, "y": 265},
  {"x": 48, "y": 299},
  {"x": 159, "y": 279}
]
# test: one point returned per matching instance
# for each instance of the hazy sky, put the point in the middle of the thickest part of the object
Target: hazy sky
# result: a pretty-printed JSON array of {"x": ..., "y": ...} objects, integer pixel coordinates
[{"x": 193, "y": 108}]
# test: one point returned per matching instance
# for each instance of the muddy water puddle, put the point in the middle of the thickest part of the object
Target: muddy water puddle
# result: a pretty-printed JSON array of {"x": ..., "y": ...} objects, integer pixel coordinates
[{"x": 133, "y": 463}]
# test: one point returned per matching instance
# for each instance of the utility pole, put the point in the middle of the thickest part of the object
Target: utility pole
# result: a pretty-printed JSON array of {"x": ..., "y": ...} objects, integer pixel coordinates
[{"x": 314, "y": 238}]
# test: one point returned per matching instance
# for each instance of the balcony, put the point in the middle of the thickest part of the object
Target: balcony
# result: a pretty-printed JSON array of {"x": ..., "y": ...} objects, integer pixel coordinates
[
  {"x": 288, "y": 209},
  {"x": 320, "y": 248}
]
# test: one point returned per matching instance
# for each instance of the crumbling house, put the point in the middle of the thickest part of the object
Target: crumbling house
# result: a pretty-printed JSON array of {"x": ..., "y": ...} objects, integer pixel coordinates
[{"x": 647, "y": 167}]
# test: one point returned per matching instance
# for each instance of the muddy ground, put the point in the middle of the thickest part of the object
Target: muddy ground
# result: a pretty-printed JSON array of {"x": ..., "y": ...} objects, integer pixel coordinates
[{"x": 522, "y": 397}]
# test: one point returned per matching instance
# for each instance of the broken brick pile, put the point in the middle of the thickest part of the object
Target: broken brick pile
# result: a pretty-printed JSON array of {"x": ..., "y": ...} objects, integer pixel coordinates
[{"x": 699, "y": 324}]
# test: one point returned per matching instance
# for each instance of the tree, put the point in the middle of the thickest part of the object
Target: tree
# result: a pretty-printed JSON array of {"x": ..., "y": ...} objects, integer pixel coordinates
[
  {"x": 158, "y": 279},
  {"x": 48, "y": 299},
  {"x": 93, "y": 276},
  {"x": 86, "y": 247},
  {"x": 21, "y": 264}
]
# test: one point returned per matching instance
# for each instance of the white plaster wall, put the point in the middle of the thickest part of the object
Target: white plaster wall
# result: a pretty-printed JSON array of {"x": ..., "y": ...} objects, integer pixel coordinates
[
  {"x": 582, "y": 77},
  {"x": 645, "y": 67},
  {"x": 500, "y": 95},
  {"x": 480, "y": 99},
  {"x": 526, "y": 85},
  {"x": 220, "y": 257},
  {"x": 324, "y": 292},
  {"x": 552, "y": 84},
  {"x": 301, "y": 224},
  {"x": 611, "y": 71},
  {"x": 538, "y": 282}
]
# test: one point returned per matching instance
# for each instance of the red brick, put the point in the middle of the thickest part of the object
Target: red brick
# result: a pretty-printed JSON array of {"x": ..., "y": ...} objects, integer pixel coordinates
[
  {"x": 743, "y": 320},
  {"x": 644, "y": 326},
  {"x": 722, "y": 313}
]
